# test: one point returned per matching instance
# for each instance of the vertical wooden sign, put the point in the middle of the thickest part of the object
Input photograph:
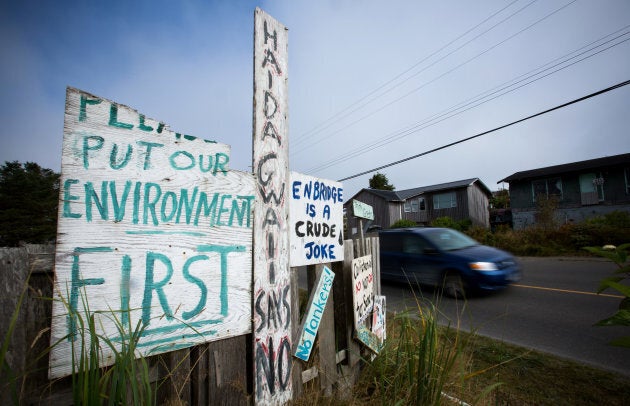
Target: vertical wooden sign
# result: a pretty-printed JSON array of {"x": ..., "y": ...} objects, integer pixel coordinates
[{"x": 272, "y": 294}]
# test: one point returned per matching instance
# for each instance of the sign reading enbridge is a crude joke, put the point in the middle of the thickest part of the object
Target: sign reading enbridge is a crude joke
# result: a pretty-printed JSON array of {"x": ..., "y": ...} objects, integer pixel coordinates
[{"x": 154, "y": 230}]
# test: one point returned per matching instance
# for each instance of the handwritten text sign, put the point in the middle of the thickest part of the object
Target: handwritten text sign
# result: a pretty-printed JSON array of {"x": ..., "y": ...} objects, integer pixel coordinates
[
  {"x": 379, "y": 325},
  {"x": 153, "y": 228},
  {"x": 362, "y": 210},
  {"x": 316, "y": 220},
  {"x": 319, "y": 297},
  {"x": 362, "y": 288},
  {"x": 272, "y": 277}
]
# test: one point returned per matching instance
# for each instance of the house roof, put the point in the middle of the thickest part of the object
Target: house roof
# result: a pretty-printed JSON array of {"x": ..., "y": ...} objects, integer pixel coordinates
[
  {"x": 402, "y": 195},
  {"x": 623, "y": 159}
]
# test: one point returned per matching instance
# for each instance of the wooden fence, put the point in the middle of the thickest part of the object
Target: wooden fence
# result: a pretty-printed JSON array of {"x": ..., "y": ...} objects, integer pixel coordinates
[{"x": 219, "y": 372}]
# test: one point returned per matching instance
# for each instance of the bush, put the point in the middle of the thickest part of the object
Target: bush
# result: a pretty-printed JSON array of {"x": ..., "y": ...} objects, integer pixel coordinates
[
  {"x": 461, "y": 225},
  {"x": 403, "y": 223}
]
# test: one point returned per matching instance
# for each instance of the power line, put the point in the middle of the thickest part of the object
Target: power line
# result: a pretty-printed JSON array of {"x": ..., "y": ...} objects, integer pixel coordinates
[
  {"x": 340, "y": 114},
  {"x": 608, "y": 89},
  {"x": 379, "y": 109},
  {"x": 484, "y": 97}
]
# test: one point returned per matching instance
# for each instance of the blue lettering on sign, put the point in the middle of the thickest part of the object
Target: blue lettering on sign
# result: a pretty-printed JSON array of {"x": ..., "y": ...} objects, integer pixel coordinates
[
  {"x": 317, "y": 250},
  {"x": 317, "y": 190},
  {"x": 314, "y": 316}
]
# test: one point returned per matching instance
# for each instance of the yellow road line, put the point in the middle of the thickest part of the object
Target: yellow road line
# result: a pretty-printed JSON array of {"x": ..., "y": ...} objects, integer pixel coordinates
[{"x": 569, "y": 291}]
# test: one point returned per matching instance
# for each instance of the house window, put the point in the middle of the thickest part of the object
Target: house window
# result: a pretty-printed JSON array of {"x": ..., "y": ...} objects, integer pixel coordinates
[
  {"x": 547, "y": 188},
  {"x": 627, "y": 176},
  {"x": 414, "y": 206},
  {"x": 407, "y": 206},
  {"x": 444, "y": 200},
  {"x": 591, "y": 188},
  {"x": 422, "y": 204}
]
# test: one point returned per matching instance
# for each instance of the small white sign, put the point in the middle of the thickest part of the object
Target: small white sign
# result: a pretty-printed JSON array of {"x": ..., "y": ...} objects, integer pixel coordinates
[
  {"x": 362, "y": 210},
  {"x": 313, "y": 318},
  {"x": 379, "y": 320},
  {"x": 315, "y": 220},
  {"x": 362, "y": 288}
]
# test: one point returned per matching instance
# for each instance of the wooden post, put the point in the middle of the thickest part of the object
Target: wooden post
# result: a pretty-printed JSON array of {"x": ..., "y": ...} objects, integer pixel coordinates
[{"x": 272, "y": 327}]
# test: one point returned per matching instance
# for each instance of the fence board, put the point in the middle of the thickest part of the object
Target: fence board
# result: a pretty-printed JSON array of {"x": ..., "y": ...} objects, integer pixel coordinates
[
  {"x": 327, "y": 353},
  {"x": 220, "y": 372}
]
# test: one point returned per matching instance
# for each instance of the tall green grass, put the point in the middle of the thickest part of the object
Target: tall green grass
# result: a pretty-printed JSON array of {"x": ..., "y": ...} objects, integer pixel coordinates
[
  {"x": 419, "y": 363},
  {"x": 127, "y": 381}
]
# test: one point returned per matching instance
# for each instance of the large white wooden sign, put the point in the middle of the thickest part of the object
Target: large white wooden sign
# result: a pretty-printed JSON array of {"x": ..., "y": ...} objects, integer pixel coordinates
[
  {"x": 272, "y": 289},
  {"x": 153, "y": 227},
  {"x": 316, "y": 220}
]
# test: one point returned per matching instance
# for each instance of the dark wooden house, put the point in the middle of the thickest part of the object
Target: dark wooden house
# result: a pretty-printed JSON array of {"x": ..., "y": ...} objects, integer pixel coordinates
[
  {"x": 582, "y": 190},
  {"x": 464, "y": 199}
]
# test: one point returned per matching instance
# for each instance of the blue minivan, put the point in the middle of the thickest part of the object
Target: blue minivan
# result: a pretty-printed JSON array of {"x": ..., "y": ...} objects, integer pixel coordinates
[{"x": 446, "y": 259}]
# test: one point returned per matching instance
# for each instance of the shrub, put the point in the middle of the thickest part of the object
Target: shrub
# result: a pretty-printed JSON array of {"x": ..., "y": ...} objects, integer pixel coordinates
[
  {"x": 403, "y": 223},
  {"x": 446, "y": 221}
]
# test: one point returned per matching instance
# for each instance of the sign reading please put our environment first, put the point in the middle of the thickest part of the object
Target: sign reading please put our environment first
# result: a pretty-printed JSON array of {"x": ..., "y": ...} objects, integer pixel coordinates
[
  {"x": 154, "y": 228},
  {"x": 316, "y": 220}
]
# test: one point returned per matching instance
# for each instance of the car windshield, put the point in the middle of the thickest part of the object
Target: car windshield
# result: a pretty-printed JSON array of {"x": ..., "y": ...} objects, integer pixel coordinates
[{"x": 449, "y": 240}]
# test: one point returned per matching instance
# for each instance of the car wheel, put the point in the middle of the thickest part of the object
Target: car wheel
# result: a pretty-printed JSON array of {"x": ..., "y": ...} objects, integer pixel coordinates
[{"x": 454, "y": 286}]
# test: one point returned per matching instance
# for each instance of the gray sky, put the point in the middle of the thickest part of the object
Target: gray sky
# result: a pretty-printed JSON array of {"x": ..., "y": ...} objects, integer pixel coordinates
[{"x": 370, "y": 82}]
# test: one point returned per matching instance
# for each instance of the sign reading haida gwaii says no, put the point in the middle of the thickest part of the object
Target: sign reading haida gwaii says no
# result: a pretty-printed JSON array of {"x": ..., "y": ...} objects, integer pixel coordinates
[{"x": 154, "y": 230}]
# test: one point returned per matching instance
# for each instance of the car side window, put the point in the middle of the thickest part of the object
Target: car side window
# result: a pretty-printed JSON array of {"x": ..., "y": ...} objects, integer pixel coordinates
[
  {"x": 412, "y": 245},
  {"x": 390, "y": 242}
]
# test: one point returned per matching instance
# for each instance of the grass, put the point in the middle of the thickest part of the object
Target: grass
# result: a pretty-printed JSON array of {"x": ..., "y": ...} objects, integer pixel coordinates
[
  {"x": 126, "y": 381},
  {"x": 476, "y": 370},
  {"x": 530, "y": 377}
]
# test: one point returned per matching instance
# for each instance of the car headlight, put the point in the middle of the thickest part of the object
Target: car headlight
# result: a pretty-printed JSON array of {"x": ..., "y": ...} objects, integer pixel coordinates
[{"x": 483, "y": 266}]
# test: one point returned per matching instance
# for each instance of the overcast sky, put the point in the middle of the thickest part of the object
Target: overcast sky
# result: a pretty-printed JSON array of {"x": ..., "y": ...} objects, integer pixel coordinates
[{"x": 370, "y": 82}]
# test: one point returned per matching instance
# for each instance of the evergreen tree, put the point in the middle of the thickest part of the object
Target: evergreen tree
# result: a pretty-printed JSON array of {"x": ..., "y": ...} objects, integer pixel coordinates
[
  {"x": 380, "y": 182},
  {"x": 29, "y": 197}
]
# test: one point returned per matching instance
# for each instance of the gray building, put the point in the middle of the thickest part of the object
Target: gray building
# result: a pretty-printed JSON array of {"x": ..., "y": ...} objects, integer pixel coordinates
[
  {"x": 460, "y": 200},
  {"x": 583, "y": 189}
]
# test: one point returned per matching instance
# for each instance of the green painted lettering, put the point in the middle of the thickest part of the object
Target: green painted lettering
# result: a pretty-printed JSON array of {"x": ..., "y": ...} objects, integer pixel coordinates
[
  {"x": 67, "y": 198},
  {"x": 113, "y": 118},
  {"x": 84, "y": 102},
  {"x": 101, "y": 204},
  {"x": 88, "y": 146},
  {"x": 150, "y": 205}
]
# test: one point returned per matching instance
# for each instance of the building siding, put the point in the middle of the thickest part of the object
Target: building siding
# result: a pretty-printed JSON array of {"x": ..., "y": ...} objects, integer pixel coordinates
[{"x": 572, "y": 207}]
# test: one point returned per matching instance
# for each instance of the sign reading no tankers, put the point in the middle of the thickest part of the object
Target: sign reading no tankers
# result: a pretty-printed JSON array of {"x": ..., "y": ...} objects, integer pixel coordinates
[{"x": 153, "y": 228}]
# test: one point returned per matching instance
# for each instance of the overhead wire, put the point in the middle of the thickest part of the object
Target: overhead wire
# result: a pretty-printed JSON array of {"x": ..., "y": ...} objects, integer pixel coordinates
[
  {"x": 336, "y": 117},
  {"x": 379, "y": 109},
  {"x": 560, "y": 63},
  {"x": 608, "y": 89}
]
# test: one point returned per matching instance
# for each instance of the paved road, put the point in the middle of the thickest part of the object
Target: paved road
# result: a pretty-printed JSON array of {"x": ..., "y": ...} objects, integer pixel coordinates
[{"x": 552, "y": 309}]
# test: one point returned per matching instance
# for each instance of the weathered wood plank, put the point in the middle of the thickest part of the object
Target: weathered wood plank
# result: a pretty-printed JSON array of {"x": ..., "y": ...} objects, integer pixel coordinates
[
  {"x": 272, "y": 331},
  {"x": 327, "y": 349},
  {"x": 227, "y": 371}
]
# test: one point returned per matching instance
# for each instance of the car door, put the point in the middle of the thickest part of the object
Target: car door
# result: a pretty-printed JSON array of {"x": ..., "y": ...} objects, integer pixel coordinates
[
  {"x": 420, "y": 260},
  {"x": 391, "y": 256}
]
